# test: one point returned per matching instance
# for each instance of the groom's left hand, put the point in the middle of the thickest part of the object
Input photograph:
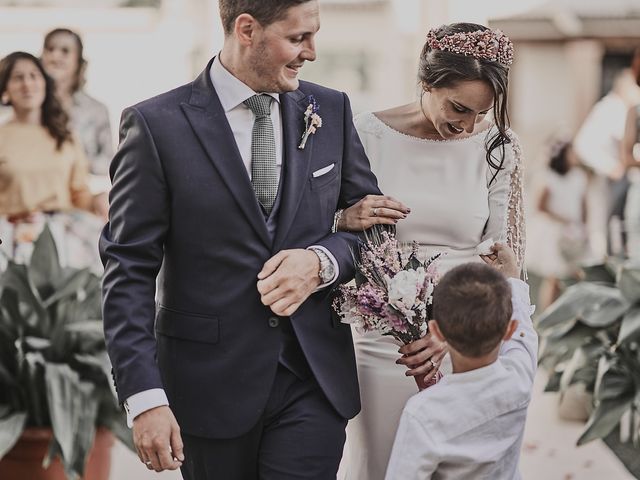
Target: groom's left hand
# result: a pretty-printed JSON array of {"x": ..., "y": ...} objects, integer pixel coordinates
[{"x": 287, "y": 279}]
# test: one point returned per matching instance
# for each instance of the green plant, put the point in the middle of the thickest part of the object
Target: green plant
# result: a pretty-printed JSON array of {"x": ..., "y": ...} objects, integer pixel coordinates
[
  {"x": 590, "y": 335},
  {"x": 54, "y": 368}
]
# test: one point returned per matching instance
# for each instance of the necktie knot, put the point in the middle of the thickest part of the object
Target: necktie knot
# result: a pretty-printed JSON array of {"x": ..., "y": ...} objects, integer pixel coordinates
[{"x": 260, "y": 105}]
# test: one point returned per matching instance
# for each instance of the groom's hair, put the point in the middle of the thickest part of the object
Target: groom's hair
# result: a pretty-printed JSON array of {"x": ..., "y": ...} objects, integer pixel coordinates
[
  {"x": 264, "y": 11},
  {"x": 472, "y": 306}
]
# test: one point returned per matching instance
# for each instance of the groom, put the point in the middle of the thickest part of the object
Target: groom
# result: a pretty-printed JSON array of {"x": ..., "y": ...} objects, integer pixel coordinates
[{"x": 240, "y": 361}]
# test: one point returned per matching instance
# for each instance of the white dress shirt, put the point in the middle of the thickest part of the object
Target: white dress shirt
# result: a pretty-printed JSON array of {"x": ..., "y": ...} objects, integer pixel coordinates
[
  {"x": 598, "y": 142},
  {"x": 232, "y": 92},
  {"x": 470, "y": 425}
]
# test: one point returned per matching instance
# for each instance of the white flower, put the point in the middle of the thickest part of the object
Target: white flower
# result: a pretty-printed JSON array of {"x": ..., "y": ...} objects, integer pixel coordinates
[{"x": 405, "y": 287}]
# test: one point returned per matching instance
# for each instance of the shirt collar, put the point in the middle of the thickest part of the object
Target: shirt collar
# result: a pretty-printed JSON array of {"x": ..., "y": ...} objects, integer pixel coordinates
[
  {"x": 231, "y": 90},
  {"x": 477, "y": 374}
]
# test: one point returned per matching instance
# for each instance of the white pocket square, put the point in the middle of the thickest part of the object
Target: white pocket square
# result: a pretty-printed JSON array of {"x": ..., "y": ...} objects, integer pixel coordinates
[{"x": 323, "y": 171}]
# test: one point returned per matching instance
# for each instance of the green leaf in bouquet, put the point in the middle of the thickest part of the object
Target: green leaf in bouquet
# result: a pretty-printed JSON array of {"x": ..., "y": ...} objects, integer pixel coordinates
[
  {"x": 44, "y": 267},
  {"x": 73, "y": 408},
  {"x": 630, "y": 326},
  {"x": 412, "y": 263},
  {"x": 11, "y": 427},
  {"x": 629, "y": 281}
]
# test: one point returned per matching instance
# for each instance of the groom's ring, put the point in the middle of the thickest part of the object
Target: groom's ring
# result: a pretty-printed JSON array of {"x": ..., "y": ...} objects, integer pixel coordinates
[
  {"x": 374, "y": 212},
  {"x": 148, "y": 464}
]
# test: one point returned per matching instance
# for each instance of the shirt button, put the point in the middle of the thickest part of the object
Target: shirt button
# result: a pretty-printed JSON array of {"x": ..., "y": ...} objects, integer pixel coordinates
[{"x": 274, "y": 322}]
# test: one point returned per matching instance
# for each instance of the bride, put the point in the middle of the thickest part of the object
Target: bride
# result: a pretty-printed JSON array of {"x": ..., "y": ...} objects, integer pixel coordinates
[{"x": 459, "y": 169}]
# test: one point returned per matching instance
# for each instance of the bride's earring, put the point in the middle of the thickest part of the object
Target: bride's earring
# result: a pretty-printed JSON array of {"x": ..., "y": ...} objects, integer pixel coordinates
[{"x": 5, "y": 98}]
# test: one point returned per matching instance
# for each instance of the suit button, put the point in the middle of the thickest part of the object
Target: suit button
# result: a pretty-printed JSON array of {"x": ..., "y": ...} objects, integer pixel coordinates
[{"x": 274, "y": 322}]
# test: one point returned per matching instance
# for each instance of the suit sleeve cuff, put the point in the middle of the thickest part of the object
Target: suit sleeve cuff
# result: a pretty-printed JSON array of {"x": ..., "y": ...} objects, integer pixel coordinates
[{"x": 143, "y": 401}]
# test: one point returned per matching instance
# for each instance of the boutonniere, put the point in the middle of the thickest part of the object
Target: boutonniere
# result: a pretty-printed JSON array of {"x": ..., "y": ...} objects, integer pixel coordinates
[{"x": 312, "y": 121}]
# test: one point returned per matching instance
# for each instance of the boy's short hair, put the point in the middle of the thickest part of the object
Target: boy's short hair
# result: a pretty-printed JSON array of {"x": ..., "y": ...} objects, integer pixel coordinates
[
  {"x": 264, "y": 11},
  {"x": 472, "y": 305}
]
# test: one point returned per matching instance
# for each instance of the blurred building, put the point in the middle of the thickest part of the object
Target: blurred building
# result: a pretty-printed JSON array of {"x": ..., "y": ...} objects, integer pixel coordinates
[
  {"x": 566, "y": 50},
  {"x": 567, "y": 53}
]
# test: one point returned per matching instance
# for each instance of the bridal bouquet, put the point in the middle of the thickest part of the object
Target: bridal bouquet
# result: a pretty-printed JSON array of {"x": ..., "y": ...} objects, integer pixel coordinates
[{"x": 393, "y": 291}]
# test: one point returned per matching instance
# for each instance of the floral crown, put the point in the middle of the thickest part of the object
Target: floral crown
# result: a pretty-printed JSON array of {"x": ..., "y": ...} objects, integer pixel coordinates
[{"x": 491, "y": 45}]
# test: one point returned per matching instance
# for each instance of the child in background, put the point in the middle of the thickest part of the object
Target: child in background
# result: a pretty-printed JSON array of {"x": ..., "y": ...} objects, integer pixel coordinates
[
  {"x": 557, "y": 232},
  {"x": 470, "y": 425}
]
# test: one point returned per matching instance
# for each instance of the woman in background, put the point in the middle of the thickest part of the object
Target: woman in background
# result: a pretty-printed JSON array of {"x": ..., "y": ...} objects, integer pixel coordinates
[
  {"x": 62, "y": 58},
  {"x": 558, "y": 228},
  {"x": 43, "y": 169}
]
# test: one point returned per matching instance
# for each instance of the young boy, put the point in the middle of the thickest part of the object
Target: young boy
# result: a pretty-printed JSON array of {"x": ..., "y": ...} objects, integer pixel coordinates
[{"x": 470, "y": 424}]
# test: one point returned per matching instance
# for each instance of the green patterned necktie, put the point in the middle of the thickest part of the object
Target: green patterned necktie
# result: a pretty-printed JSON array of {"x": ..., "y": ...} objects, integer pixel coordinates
[{"x": 264, "y": 174}]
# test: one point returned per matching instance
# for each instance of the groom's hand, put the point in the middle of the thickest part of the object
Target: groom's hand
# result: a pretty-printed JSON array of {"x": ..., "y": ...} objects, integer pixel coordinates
[
  {"x": 287, "y": 279},
  {"x": 157, "y": 439}
]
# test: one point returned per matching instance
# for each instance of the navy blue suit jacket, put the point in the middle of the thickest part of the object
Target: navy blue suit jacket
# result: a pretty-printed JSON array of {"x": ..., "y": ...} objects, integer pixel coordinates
[{"x": 182, "y": 206}]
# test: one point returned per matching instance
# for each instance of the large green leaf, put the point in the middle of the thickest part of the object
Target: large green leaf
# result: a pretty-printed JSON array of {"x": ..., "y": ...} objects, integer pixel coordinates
[
  {"x": 598, "y": 273},
  {"x": 73, "y": 409},
  {"x": 11, "y": 428},
  {"x": 629, "y": 281},
  {"x": 595, "y": 305},
  {"x": 16, "y": 278},
  {"x": 44, "y": 267},
  {"x": 33, "y": 381},
  {"x": 75, "y": 282},
  {"x": 607, "y": 309},
  {"x": 614, "y": 394},
  {"x": 584, "y": 360},
  {"x": 560, "y": 347},
  {"x": 630, "y": 326}
]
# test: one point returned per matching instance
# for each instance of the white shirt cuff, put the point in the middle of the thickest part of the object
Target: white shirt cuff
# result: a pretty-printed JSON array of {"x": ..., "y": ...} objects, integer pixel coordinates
[
  {"x": 336, "y": 269},
  {"x": 143, "y": 401}
]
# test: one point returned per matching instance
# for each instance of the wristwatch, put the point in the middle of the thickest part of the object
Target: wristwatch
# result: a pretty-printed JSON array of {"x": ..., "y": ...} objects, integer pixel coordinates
[{"x": 327, "y": 271}]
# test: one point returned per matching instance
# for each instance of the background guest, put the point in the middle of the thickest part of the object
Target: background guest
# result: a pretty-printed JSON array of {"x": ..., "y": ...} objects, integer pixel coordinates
[
  {"x": 558, "y": 228},
  {"x": 63, "y": 59},
  {"x": 43, "y": 170}
]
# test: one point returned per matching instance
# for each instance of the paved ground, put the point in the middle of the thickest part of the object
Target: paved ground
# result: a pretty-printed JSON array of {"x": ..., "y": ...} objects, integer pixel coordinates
[{"x": 549, "y": 451}]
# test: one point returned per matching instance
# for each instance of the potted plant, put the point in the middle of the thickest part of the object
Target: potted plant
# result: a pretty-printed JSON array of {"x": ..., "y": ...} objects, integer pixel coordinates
[
  {"x": 591, "y": 335},
  {"x": 55, "y": 375}
]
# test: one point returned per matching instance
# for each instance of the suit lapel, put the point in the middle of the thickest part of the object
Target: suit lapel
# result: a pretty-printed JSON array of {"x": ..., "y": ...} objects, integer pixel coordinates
[
  {"x": 296, "y": 162},
  {"x": 209, "y": 122}
]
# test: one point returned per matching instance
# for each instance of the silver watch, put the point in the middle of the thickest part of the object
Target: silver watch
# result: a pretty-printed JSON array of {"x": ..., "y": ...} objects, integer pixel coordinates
[{"x": 326, "y": 265}]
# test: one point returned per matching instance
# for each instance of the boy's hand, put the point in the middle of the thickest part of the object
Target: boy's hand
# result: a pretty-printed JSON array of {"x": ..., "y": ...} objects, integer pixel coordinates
[{"x": 502, "y": 259}]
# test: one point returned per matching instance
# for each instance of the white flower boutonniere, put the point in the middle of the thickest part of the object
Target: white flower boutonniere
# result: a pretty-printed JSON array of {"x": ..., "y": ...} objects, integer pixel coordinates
[{"x": 312, "y": 121}]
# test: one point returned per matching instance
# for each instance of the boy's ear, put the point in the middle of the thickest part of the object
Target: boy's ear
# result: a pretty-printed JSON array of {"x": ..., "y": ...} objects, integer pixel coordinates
[
  {"x": 434, "y": 329},
  {"x": 511, "y": 328}
]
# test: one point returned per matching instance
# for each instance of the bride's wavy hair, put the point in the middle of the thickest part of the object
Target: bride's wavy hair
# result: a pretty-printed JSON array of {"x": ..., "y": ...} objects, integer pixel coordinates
[
  {"x": 265, "y": 12},
  {"x": 443, "y": 69},
  {"x": 54, "y": 118}
]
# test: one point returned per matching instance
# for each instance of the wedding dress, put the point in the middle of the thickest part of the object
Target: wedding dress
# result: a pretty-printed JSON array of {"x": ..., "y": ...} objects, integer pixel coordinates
[{"x": 454, "y": 207}]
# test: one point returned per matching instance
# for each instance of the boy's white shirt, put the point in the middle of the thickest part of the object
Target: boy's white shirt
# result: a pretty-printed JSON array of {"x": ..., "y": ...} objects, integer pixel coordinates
[{"x": 470, "y": 425}]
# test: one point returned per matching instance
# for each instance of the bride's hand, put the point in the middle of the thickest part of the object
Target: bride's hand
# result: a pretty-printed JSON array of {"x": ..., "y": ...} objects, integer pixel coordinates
[
  {"x": 372, "y": 210},
  {"x": 423, "y": 357}
]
